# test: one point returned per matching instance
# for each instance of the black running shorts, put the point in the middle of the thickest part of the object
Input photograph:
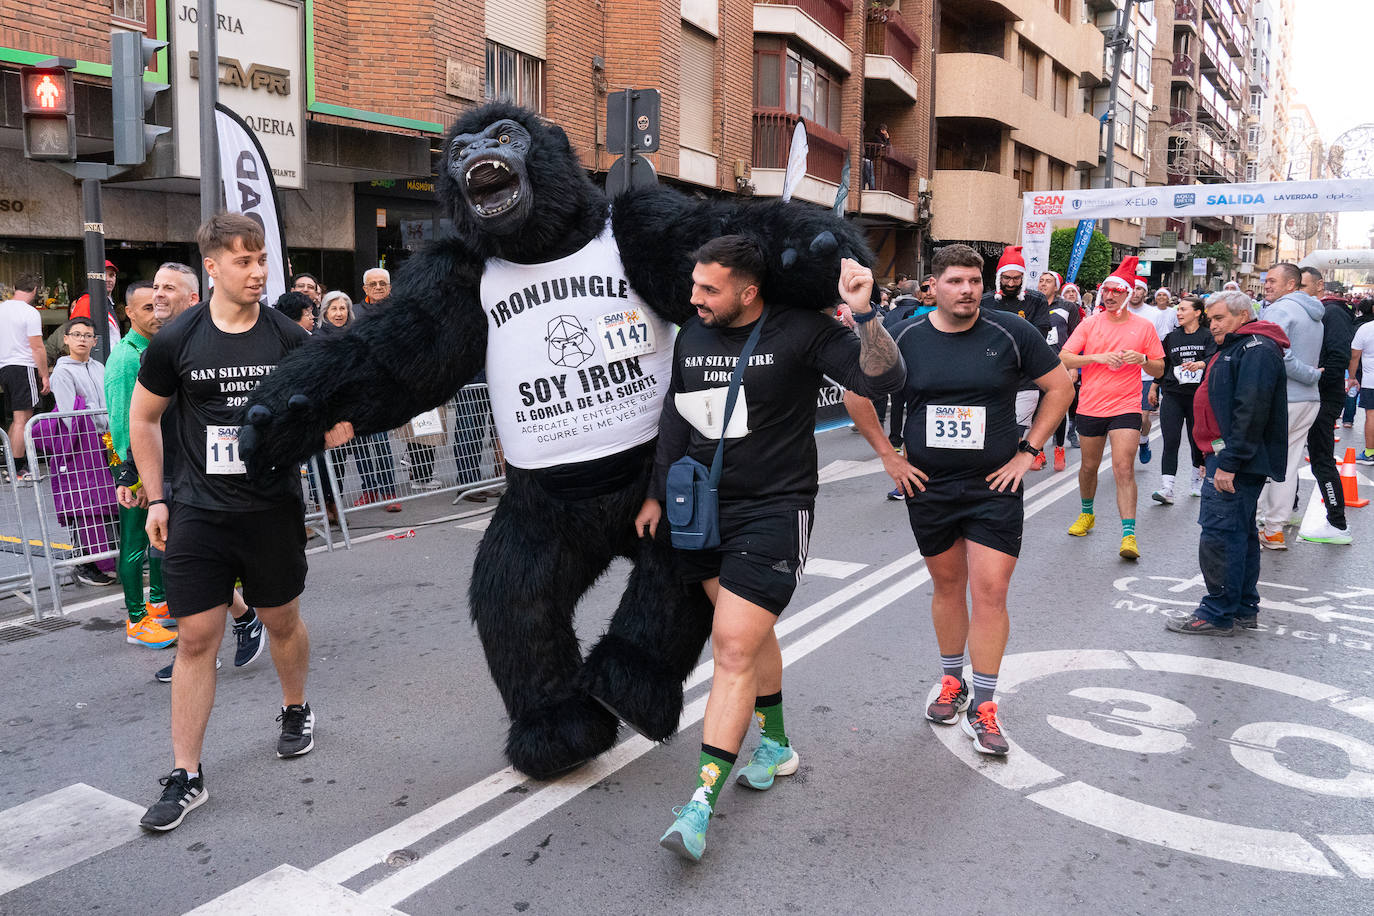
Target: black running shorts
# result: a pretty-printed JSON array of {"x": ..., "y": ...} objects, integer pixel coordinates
[
  {"x": 1100, "y": 426},
  {"x": 21, "y": 384},
  {"x": 759, "y": 559},
  {"x": 966, "y": 508},
  {"x": 207, "y": 551}
]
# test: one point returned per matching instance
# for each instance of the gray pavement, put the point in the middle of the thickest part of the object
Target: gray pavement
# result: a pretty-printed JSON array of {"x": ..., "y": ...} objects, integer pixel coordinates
[{"x": 1151, "y": 772}]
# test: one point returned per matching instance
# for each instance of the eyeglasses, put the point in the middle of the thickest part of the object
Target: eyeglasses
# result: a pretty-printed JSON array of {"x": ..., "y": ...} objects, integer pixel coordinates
[
  {"x": 82, "y": 336},
  {"x": 377, "y": 283},
  {"x": 925, "y": 288}
]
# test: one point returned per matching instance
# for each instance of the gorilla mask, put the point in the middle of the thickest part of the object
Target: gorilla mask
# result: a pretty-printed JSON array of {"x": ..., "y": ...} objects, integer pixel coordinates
[{"x": 489, "y": 169}]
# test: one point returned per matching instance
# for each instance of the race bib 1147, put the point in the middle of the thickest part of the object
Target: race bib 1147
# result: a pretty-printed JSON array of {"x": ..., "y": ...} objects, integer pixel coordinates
[{"x": 222, "y": 450}]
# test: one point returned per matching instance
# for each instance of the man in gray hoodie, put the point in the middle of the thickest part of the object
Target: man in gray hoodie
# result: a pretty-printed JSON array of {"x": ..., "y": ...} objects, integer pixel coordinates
[{"x": 1300, "y": 317}]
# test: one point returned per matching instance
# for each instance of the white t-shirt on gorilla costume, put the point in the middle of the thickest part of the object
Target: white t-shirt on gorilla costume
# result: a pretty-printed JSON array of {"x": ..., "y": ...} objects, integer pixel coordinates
[{"x": 577, "y": 364}]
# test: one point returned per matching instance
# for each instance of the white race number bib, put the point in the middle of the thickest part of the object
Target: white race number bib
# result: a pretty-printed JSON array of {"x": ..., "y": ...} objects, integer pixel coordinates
[
  {"x": 1188, "y": 376},
  {"x": 222, "y": 450},
  {"x": 949, "y": 426},
  {"x": 625, "y": 333}
]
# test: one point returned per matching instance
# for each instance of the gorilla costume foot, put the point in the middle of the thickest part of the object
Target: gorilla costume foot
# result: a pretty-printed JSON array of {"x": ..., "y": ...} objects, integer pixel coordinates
[
  {"x": 634, "y": 686},
  {"x": 554, "y": 739}
]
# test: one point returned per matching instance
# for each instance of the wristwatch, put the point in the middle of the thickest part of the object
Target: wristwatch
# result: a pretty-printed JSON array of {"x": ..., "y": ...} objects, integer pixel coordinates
[
  {"x": 1024, "y": 446},
  {"x": 866, "y": 316}
]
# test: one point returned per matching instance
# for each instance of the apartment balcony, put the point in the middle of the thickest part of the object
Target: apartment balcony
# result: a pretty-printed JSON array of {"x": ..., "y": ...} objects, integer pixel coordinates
[
  {"x": 1180, "y": 115},
  {"x": 826, "y": 154},
  {"x": 1184, "y": 69},
  {"x": 981, "y": 86},
  {"x": 1185, "y": 14},
  {"x": 819, "y": 24},
  {"x": 984, "y": 206},
  {"x": 890, "y": 194},
  {"x": 889, "y": 64}
]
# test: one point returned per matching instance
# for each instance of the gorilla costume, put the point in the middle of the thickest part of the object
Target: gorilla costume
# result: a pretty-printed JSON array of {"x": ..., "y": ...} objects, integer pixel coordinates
[{"x": 569, "y": 304}]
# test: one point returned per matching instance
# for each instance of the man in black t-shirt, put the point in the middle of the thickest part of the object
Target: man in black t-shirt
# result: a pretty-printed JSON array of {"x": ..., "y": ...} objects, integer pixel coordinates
[
  {"x": 767, "y": 487},
  {"x": 962, "y": 473},
  {"x": 221, "y": 528}
]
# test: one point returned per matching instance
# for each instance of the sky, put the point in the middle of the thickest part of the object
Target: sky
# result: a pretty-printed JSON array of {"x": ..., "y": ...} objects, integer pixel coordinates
[{"x": 1330, "y": 51}]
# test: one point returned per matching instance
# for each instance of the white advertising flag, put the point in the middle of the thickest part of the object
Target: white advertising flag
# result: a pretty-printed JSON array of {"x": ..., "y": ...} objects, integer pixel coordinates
[
  {"x": 796, "y": 161},
  {"x": 250, "y": 190}
]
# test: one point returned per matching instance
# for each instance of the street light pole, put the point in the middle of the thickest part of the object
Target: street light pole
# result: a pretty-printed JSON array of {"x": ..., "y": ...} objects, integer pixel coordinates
[
  {"x": 1119, "y": 40},
  {"x": 208, "y": 73}
]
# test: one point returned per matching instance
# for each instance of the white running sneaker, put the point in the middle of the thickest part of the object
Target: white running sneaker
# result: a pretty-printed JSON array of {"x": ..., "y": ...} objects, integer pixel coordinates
[
  {"x": 1325, "y": 533},
  {"x": 1198, "y": 475}
]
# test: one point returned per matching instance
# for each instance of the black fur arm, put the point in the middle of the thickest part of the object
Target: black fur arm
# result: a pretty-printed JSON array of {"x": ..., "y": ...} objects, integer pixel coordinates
[
  {"x": 428, "y": 340},
  {"x": 658, "y": 229}
]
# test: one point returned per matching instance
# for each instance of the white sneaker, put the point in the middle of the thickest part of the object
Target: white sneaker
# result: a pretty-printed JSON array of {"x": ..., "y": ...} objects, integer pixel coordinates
[
  {"x": 1164, "y": 496},
  {"x": 1325, "y": 533},
  {"x": 1198, "y": 476}
]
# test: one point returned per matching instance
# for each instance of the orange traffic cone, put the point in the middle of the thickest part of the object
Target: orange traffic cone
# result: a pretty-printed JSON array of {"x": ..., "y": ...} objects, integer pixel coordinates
[{"x": 1350, "y": 484}]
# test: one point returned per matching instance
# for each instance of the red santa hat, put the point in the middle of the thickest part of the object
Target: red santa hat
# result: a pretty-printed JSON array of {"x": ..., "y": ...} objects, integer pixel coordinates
[
  {"x": 1011, "y": 261},
  {"x": 1074, "y": 287},
  {"x": 1124, "y": 276},
  {"x": 1058, "y": 278},
  {"x": 1140, "y": 282}
]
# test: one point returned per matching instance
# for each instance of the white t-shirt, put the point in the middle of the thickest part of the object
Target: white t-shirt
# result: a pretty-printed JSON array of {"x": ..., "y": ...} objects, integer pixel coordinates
[
  {"x": 1364, "y": 342},
  {"x": 577, "y": 364},
  {"x": 18, "y": 322}
]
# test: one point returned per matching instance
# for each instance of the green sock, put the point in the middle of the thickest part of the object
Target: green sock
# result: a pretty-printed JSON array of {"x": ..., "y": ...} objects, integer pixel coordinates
[
  {"x": 768, "y": 712},
  {"x": 715, "y": 771},
  {"x": 1087, "y": 507},
  {"x": 136, "y": 616},
  {"x": 1128, "y": 527}
]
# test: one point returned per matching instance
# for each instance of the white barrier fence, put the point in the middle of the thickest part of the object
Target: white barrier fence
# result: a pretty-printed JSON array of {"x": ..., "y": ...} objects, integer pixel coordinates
[{"x": 75, "y": 513}]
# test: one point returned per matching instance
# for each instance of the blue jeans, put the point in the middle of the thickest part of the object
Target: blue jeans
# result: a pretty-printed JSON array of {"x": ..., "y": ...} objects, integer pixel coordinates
[
  {"x": 1348, "y": 415},
  {"x": 1228, "y": 550},
  {"x": 376, "y": 466}
]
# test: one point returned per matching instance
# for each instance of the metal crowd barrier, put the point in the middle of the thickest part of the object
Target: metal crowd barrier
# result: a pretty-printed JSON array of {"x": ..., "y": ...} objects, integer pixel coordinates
[
  {"x": 451, "y": 450},
  {"x": 14, "y": 537}
]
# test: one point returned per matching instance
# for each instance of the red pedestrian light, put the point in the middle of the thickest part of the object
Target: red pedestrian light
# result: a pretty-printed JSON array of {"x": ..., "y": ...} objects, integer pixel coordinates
[
  {"x": 49, "y": 109},
  {"x": 47, "y": 90}
]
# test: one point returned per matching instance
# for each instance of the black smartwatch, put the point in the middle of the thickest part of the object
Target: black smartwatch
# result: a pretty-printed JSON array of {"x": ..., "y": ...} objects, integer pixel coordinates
[
  {"x": 867, "y": 316},
  {"x": 1024, "y": 446}
]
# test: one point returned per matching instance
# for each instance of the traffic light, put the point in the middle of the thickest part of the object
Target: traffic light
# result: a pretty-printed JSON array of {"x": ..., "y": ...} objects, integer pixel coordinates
[
  {"x": 49, "y": 111},
  {"x": 130, "y": 55}
]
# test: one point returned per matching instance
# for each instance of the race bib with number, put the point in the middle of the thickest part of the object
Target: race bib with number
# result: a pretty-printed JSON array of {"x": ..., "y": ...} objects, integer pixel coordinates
[
  {"x": 955, "y": 427},
  {"x": 222, "y": 450},
  {"x": 1188, "y": 376},
  {"x": 625, "y": 333}
]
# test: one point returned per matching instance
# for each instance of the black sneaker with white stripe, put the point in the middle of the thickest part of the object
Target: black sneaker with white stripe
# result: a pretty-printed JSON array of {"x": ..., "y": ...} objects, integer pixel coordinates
[
  {"x": 249, "y": 639},
  {"x": 297, "y": 731},
  {"x": 180, "y": 794}
]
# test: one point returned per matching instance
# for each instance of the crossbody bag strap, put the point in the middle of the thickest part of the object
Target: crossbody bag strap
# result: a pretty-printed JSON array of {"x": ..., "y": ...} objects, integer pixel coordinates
[{"x": 736, "y": 378}]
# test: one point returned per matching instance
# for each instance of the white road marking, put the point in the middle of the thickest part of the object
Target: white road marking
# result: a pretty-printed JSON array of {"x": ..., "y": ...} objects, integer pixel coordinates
[
  {"x": 60, "y": 829},
  {"x": 1276, "y": 849},
  {"x": 479, "y": 525},
  {"x": 1356, "y": 851},
  {"x": 1264, "y": 678},
  {"x": 288, "y": 891},
  {"x": 832, "y": 569},
  {"x": 1255, "y": 746},
  {"x": 1017, "y": 771},
  {"x": 844, "y": 470}
]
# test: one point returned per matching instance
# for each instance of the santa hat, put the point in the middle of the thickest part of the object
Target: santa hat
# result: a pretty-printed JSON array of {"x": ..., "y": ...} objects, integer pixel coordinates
[
  {"x": 1124, "y": 276},
  {"x": 1058, "y": 279},
  {"x": 1011, "y": 260},
  {"x": 1074, "y": 287},
  {"x": 1165, "y": 291},
  {"x": 1142, "y": 284}
]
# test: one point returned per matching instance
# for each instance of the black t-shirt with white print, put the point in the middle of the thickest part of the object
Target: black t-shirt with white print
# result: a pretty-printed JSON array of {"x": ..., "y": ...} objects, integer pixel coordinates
[
  {"x": 770, "y": 450},
  {"x": 210, "y": 374},
  {"x": 1181, "y": 347},
  {"x": 961, "y": 391}
]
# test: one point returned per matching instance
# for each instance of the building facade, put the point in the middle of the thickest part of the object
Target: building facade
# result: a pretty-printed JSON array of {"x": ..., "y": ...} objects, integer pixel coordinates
[{"x": 373, "y": 86}]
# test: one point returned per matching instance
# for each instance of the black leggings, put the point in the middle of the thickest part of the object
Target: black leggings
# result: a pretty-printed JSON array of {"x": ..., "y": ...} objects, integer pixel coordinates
[
  {"x": 1176, "y": 406},
  {"x": 1063, "y": 428}
]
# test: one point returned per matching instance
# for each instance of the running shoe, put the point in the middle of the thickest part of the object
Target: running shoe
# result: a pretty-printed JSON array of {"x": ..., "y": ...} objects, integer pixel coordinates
[
  {"x": 1325, "y": 533},
  {"x": 769, "y": 759},
  {"x": 164, "y": 674},
  {"x": 297, "y": 731},
  {"x": 427, "y": 484},
  {"x": 1199, "y": 474},
  {"x": 249, "y": 640},
  {"x": 181, "y": 794},
  {"x": 1072, "y": 438},
  {"x": 1060, "y": 461},
  {"x": 148, "y": 632},
  {"x": 1164, "y": 496},
  {"x": 1272, "y": 541},
  {"x": 1348, "y": 425},
  {"x": 1130, "y": 550},
  {"x": 90, "y": 574},
  {"x": 985, "y": 730},
  {"x": 158, "y": 611},
  {"x": 366, "y": 499},
  {"x": 1365, "y": 457},
  {"x": 687, "y": 836},
  {"x": 392, "y": 507},
  {"x": 1250, "y": 622},
  {"x": 951, "y": 698},
  {"x": 1196, "y": 626},
  {"x": 896, "y": 494},
  {"x": 1145, "y": 453},
  {"x": 1039, "y": 463},
  {"x": 1083, "y": 525}
]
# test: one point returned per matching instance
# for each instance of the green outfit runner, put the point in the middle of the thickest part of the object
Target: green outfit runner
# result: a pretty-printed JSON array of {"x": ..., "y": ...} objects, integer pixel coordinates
[{"x": 121, "y": 373}]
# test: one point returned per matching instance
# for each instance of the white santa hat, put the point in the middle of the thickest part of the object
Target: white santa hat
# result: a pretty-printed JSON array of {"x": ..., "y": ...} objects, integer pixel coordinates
[
  {"x": 1124, "y": 276},
  {"x": 1165, "y": 291},
  {"x": 1011, "y": 260}
]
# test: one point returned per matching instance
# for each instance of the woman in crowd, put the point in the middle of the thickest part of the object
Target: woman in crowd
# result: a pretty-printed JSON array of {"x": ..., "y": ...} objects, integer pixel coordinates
[{"x": 1186, "y": 351}]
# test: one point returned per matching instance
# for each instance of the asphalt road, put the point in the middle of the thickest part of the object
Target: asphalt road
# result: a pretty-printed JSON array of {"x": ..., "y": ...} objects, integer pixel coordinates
[{"x": 1151, "y": 772}]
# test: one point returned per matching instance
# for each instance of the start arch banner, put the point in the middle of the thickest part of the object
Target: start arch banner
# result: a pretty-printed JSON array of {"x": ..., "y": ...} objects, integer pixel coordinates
[{"x": 1041, "y": 209}]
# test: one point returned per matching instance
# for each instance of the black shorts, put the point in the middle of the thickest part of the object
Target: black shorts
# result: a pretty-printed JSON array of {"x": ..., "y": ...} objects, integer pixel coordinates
[
  {"x": 207, "y": 551},
  {"x": 966, "y": 508},
  {"x": 759, "y": 559},
  {"x": 21, "y": 384},
  {"x": 1100, "y": 426}
]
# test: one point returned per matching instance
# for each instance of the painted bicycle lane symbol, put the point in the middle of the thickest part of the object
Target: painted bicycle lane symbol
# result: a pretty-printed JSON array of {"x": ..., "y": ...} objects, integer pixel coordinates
[
  {"x": 1147, "y": 723},
  {"x": 1340, "y": 616}
]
